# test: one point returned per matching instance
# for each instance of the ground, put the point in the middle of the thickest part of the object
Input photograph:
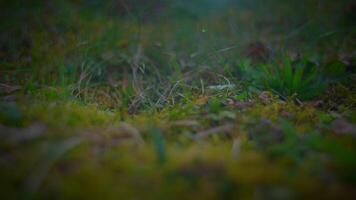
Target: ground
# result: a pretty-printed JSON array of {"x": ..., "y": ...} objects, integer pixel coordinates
[{"x": 177, "y": 100}]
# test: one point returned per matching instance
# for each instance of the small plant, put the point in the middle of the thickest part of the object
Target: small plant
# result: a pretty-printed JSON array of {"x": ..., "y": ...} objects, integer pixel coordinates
[{"x": 301, "y": 79}]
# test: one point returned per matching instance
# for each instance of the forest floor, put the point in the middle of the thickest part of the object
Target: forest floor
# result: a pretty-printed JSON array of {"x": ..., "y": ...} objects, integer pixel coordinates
[{"x": 247, "y": 101}]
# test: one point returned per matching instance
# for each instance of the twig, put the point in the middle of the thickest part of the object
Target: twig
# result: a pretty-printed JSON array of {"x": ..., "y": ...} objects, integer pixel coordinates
[{"x": 220, "y": 129}]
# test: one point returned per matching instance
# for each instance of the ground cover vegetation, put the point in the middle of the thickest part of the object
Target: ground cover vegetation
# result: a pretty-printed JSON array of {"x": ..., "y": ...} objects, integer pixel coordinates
[{"x": 166, "y": 99}]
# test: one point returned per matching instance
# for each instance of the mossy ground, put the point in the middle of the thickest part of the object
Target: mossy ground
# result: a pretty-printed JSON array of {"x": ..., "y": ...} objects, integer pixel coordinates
[{"x": 101, "y": 105}]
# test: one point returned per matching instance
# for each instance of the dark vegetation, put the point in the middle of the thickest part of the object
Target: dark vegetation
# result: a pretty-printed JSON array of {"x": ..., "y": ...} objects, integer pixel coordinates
[{"x": 164, "y": 99}]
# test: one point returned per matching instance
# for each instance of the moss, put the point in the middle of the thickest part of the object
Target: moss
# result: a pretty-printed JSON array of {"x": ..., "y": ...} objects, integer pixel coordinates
[
  {"x": 68, "y": 114},
  {"x": 304, "y": 117}
]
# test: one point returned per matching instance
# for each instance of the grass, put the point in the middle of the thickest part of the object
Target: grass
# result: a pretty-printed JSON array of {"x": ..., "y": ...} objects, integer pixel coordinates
[
  {"x": 205, "y": 99},
  {"x": 287, "y": 79}
]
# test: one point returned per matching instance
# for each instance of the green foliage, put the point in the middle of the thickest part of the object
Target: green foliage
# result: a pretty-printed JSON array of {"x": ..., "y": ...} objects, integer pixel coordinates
[{"x": 302, "y": 79}]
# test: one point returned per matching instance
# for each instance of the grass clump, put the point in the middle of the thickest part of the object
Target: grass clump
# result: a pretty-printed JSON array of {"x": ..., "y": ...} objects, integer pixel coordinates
[{"x": 301, "y": 79}]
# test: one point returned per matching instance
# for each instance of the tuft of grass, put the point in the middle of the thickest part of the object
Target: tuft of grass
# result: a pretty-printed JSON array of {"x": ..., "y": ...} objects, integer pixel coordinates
[{"x": 301, "y": 79}]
